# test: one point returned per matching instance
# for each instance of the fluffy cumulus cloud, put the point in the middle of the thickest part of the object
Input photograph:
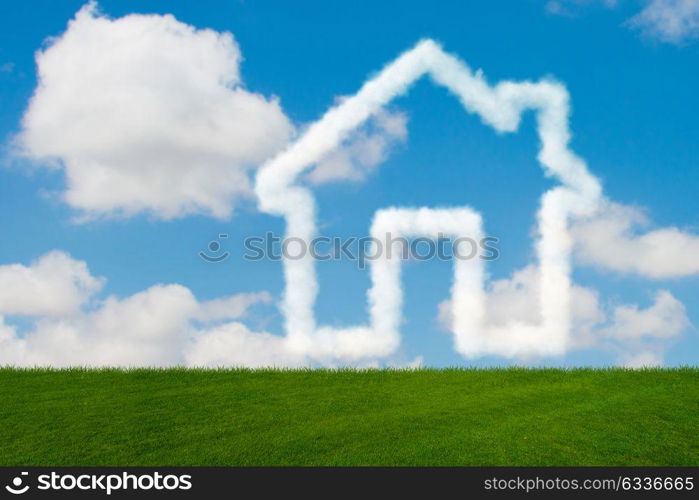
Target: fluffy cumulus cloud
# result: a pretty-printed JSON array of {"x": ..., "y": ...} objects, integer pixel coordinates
[
  {"x": 53, "y": 285},
  {"x": 161, "y": 326},
  {"x": 637, "y": 336},
  {"x": 664, "y": 319},
  {"x": 147, "y": 114},
  {"x": 611, "y": 239},
  {"x": 164, "y": 325},
  {"x": 232, "y": 344},
  {"x": 620, "y": 238}
]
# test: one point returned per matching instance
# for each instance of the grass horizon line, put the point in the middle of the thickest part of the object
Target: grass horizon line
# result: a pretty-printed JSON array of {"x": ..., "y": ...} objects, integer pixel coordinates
[{"x": 348, "y": 369}]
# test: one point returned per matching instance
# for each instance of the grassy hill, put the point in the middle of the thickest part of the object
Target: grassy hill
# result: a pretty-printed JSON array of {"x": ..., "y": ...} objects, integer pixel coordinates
[{"x": 322, "y": 417}]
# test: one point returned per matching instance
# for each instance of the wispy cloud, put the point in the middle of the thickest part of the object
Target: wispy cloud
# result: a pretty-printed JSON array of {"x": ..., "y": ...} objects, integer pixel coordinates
[
  {"x": 670, "y": 21},
  {"x": 368, "y": 147},
  {"x": 611, "y": 239},
  {"x": 571, "y": 8},
  {"x": 673, "y": 21}
]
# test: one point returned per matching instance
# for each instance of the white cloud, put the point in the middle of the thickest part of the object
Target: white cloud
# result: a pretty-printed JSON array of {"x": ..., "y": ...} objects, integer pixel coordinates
[
  {"x": 231, "y": 307},
  {"x": 185, "y": 104},
  {"x": 666, "y": 318},
  {"x": 147, "y": 328},
  {"x": 640, "y": 337},
  {"x": 627, "y": 331},
  {"x": 147, "y": 114},
  {"x": 644, "y": 359},
  {"x": 673, "y": 21},
  {"x": 609, "y": 239},
  {"x": 53, "y": 285},
  {"x": 539, "y": 311},
  {"x": 162, "y": 326},
  {"x": 569, "y": 8},
  {"x": 166, "y": 325},
  {"x": 233, "y": 344},
  {"x": 500, "y": 106},
  {"x": 11, "y": 348},
  {"x": 360, "y": 155},
  {"x": 515, "y": 300}
]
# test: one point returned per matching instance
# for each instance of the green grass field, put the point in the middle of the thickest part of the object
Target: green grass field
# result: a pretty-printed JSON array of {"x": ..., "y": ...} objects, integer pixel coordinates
[{"x": 323, "y": 417}]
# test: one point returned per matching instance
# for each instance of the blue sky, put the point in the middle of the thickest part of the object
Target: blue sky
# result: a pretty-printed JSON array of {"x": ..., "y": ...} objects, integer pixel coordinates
[{"x": 633, "y": 96}]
